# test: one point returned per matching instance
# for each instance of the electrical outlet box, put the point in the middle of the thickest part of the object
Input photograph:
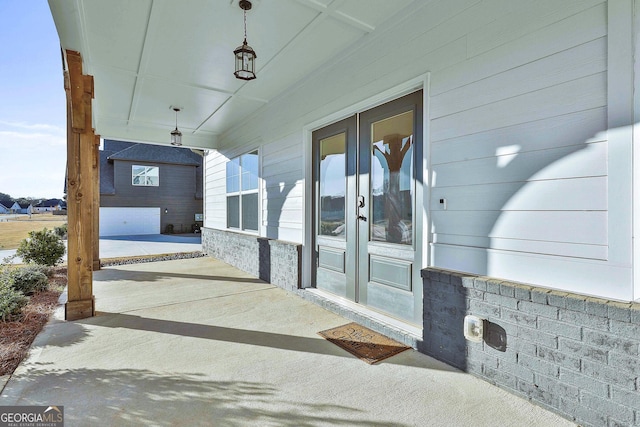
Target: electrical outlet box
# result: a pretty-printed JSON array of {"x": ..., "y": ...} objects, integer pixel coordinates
[{"x": 473, "y": 328}]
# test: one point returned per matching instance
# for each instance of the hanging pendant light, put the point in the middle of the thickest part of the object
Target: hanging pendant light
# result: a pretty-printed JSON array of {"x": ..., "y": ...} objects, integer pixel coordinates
[
  {"x": 176, "y": 135},
  {"x": 245, "y": 55}
]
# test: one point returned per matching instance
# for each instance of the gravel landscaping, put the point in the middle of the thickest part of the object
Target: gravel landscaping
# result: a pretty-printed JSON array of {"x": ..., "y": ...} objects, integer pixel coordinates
[{"x": 108, "y": 262}]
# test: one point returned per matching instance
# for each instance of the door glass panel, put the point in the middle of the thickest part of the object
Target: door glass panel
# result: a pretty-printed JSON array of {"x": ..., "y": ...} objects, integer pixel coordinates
[
  {"x": 332, "y": 181},
  {"x": 391, "y": 179}
]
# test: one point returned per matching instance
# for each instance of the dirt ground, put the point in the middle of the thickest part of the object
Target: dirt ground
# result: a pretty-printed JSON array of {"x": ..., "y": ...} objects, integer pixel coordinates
[{"x": 14, "y": 229}]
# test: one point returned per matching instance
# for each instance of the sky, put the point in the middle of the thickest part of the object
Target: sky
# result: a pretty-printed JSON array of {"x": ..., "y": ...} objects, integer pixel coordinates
[{"x": 32, "y": 102}]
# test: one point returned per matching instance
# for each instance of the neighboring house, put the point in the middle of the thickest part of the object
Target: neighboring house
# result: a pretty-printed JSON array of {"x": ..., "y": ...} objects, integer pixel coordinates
[
  {"x": 148, "y": 189},
  {"x": 422, "y": 161},
  {"x": 26, "y": 208},
  {"x": 15, "y": 207},
  {"x": 5, "y": 207},
  {"x": 48, "y": 205}
]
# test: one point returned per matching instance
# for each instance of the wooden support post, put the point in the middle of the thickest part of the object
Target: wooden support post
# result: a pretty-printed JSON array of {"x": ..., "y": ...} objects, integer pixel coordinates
[
  {"x": 96, "y": 203},
  {"x": 80, "y": 189}
]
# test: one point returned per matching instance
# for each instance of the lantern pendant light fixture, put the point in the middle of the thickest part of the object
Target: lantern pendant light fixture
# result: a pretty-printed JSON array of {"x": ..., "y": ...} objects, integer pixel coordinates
[
  {"x": 245, "y": 55},
  {"x": 176, "y": 135}
]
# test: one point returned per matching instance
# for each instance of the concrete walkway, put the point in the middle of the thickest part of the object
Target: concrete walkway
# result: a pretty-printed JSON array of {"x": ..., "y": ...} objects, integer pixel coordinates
[
  {"x": 121, "y": 246},
  {"x": 198, "y": 343}
]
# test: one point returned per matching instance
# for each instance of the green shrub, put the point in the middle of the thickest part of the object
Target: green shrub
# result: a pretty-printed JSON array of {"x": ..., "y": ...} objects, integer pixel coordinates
[
  {"x": 11, "y": 301},
  {"x": 42, "y": 247},
  {"x": 44, "y": 269},
  {"x": 5, "y": 276},
  {"x": 61, "y": 231},
  {"x": 28, "y": 279}
]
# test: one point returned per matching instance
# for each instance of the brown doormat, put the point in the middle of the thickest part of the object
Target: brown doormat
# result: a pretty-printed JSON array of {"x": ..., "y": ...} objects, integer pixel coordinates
[{"x": 363, "y": 343}]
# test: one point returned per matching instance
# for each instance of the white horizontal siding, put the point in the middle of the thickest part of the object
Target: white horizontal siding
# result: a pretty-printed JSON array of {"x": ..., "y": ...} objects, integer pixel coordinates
[
  {"x": 285, "y": 232},
  {"x": 576, "y": 95},
  {"x": 573, "y": 274},
  {"x": 582, "y": 61},
  {"x": 526, "y": 18},
  {"x": 285, "y": 202},
  {"x": 564, "y": 34},
  {"x": 563, "y": 249},
  {"x": 556, "y": 163},
  {"x": 553, "y": 132},
  {"x": 551, "y": 226},
  {"x": 519, "y": 148},
  {"x": 517, "y": 128},
  {"x": 545, "y": 195},
  {"x": 282, "y": 174},
  {"x": 282, "y": 149},
  {"x": 215, "y": 188}
]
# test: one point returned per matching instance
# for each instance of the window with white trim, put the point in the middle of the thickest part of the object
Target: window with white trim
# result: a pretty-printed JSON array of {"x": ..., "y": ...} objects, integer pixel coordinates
[
  {"x": 145, "y": 176},
  {"x": 242, "y": 192}
]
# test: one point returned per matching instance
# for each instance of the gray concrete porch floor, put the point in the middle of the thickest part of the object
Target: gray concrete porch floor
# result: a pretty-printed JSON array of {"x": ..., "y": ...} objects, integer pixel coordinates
[{"x": 199, "y": 343}]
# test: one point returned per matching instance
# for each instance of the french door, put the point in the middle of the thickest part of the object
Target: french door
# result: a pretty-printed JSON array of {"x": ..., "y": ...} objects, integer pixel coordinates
[{"x": 367, "y": 235}]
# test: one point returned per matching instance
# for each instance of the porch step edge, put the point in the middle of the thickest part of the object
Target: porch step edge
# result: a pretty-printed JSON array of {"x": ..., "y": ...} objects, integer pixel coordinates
[{"x": 407, "y": 334}]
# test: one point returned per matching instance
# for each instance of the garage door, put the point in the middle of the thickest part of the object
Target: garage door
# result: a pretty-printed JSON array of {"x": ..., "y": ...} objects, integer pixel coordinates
[{"x": 129, "y": 221}]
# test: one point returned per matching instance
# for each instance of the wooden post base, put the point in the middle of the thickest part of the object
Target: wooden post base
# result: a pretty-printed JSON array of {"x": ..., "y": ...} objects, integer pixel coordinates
[{"x": 76, "y": 310}]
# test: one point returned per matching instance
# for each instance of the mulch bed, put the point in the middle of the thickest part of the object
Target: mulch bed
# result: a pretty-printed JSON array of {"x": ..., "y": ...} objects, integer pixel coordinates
[{"x": 17, "y": 335}]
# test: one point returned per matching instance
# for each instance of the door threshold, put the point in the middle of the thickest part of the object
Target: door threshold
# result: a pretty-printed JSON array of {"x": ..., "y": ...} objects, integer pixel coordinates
[{"x": 399, "y": 330}]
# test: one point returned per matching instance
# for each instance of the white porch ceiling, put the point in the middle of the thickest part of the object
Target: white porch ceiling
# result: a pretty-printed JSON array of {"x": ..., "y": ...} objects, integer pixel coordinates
[{"x": 149, "y": 55}]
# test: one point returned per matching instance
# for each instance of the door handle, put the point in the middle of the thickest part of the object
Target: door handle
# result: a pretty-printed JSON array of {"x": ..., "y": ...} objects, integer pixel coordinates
[
  {"x": 362, "y": 218},
  {"x": 361, "y": 201}
]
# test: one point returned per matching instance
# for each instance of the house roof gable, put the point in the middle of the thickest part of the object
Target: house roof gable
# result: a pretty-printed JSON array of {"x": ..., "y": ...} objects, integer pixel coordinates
[
  {"x": 157, "y": 154},
  {"x": 50, "y": 203}
]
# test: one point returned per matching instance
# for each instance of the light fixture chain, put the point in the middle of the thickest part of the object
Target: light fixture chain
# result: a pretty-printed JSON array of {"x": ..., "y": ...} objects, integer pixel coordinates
[{"x": 245, "y": 26}]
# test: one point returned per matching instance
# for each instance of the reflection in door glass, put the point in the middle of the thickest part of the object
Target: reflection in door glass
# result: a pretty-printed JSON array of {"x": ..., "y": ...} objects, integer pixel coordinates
[
  {"x": 391, "y": 179},
  {"x": 332, "y": 186}
]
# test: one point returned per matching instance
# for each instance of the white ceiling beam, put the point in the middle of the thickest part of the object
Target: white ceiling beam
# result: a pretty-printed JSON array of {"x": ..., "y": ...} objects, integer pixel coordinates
[
  {"x": 85, "y": 53},
  {"x": 331, "y": 10},
  {"x": 154, "y": 11},
  {"x": 355, "y": 23},
  {"x": 211, "y": 115},
  {"x": 84, "y": 42}
]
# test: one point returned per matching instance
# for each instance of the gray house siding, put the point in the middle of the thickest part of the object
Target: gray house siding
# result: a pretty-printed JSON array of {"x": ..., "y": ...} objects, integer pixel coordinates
[{"x": 176, "y": 193}]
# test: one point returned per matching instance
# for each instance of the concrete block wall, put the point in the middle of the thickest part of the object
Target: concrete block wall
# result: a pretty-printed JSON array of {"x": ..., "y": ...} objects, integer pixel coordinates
[
  {"x": 286, "y": 264},
  {"x": 273, "y": 261},
  {"x": 575, "y": 355}
]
